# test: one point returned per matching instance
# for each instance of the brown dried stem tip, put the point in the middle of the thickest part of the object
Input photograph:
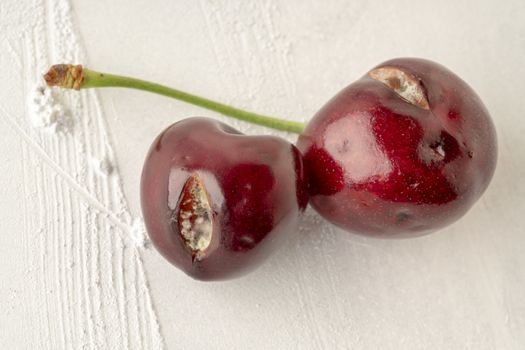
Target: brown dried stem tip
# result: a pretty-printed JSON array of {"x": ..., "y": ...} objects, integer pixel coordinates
[{"x": 68, "y": 76}]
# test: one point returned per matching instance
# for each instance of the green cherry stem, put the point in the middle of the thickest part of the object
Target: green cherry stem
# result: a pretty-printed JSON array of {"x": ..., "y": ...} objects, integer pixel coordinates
[{"x": 76, "y": 77}]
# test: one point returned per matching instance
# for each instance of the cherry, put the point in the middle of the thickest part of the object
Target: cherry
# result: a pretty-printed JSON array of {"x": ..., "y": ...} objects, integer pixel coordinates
[
  {"x": 217, "y": 202},
  {"x": 405, "y": 150}
]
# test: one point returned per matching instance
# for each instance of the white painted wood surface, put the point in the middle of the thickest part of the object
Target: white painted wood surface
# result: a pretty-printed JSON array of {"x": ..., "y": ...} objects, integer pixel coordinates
[{"x": 73, "y": 278}]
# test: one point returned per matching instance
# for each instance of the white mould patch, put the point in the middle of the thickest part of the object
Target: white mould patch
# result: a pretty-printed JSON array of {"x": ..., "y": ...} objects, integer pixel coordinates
[
  {"x": 402, "y": 83},
  {"x": 46, "y": 112},
  {"x": 138, "y": 233},
  {"x": 194, "y": 216},
  {"x": 103, "y": 166}
]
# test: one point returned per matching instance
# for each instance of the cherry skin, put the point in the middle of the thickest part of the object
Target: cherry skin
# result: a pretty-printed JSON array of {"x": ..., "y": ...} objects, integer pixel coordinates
[
  {"x": 403, "y": 151},
  {"x": 217, "y": 202}
]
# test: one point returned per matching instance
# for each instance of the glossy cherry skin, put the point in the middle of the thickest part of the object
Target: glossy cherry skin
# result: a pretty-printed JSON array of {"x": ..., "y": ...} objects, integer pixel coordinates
[
  {"x": 255, "y": 190},
  {"x": 380, "y": 163}
]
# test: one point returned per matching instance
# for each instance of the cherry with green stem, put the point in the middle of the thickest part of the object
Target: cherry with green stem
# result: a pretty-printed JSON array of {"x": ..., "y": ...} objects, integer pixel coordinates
[{"x": 215, "y": 202}]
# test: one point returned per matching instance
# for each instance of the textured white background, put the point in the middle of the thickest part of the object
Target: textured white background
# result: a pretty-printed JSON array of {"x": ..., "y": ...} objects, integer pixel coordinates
[{"x": 461, "y": 288}]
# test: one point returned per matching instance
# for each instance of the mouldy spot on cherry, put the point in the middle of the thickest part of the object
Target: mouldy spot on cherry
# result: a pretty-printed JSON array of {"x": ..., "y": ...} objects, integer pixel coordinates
[
  {"x": 407, "y": 86},
  {"x": 46, "y": 112},
  {"x": 194, "y": 217}
]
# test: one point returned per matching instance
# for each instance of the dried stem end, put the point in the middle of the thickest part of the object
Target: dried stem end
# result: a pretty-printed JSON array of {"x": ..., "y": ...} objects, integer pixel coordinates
[
  {"x": 195, "y": 216},
  {"x": 68, "y": 76},
  {"x": 404, "y": 84}
]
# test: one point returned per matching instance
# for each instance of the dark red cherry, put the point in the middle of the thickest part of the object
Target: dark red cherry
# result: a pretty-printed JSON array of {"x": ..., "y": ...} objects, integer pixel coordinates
[
  {"x": 217, "y": 202},
  {"x": 405, "y": 150}
]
